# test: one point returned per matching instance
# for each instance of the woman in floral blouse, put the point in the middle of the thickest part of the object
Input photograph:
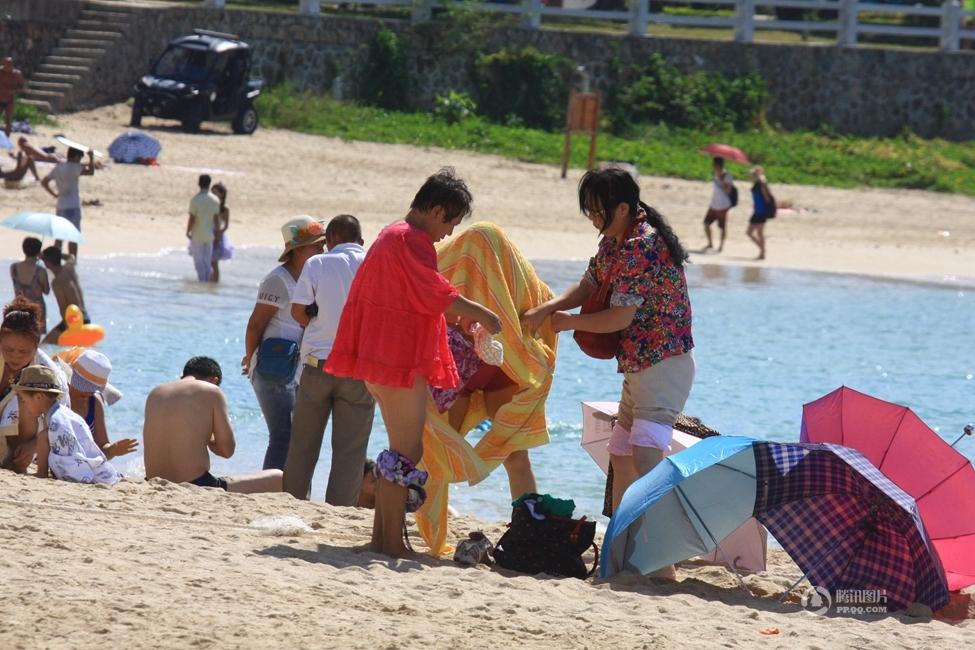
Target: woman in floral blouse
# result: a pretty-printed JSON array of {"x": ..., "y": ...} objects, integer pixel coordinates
[{"x": 643, "y": 260}]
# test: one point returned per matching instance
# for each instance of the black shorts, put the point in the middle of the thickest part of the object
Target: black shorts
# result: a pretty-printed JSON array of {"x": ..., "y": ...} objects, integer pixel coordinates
[
  {"x": 721, "y": 216},
  {"x": 758, "y": 218},
  {"x": 209, "y": 480}
]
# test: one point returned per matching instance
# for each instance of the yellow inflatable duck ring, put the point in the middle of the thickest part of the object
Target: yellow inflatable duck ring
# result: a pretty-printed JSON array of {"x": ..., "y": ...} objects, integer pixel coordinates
[{"x": 78, "y": 333}]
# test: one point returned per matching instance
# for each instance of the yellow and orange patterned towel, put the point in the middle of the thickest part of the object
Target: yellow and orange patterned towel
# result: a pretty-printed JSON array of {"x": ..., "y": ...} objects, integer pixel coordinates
[{"x": 483, "y": 264}]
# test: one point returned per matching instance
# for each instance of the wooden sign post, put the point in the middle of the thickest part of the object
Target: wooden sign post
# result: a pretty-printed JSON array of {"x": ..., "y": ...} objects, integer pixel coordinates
[{"x": 582, "y": 117}]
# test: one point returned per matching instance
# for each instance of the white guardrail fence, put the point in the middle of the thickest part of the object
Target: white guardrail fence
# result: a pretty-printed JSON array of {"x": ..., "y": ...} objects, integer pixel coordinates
[{"x": 953, "y": 25}]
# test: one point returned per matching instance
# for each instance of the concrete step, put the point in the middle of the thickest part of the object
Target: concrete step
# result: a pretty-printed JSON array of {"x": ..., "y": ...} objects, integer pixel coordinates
[
  {"x": 58, "y": 86},
  {"x": 123, "y": 7},
  {"x": 99, "y": 25},
  {"x": 93, "y": 35},
  {"x": 54, "y": 77},
  {"x": 73, "y": 61},
  {"x": 59, "y": 69},
  {"x": 48, "y": 95},
  {"x": 40, "y": 104},
  {"x": 89, "y": 54},
  {"x": 104, "y": 16},
  {"x": 84, "y": 44}
]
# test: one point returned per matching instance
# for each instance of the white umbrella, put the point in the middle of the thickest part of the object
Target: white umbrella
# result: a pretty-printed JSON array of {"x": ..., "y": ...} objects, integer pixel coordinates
[{"x": 48, "y": 225}]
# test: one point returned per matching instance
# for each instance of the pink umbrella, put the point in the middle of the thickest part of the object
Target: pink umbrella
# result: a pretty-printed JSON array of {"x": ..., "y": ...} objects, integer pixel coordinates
[
  {"x": 910, "y": 454},
  {"x": 727, "y": 152}
]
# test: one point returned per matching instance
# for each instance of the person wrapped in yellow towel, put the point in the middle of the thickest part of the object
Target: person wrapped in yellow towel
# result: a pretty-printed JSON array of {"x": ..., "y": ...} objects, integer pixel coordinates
[{"x": 486, "y": 267}]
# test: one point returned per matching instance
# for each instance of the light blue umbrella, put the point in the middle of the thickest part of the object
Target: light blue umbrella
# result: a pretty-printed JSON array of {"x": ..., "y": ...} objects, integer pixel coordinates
[
  {"x": 133, "y": 146},
  {"x": 47, "y": 225},
  {"x": 683, "y": 508},
  {"x": 5, "y": 142}
]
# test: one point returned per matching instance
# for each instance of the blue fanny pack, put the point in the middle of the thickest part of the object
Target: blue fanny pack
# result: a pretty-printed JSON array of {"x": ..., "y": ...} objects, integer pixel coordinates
[{"x": 277, "y": 360}]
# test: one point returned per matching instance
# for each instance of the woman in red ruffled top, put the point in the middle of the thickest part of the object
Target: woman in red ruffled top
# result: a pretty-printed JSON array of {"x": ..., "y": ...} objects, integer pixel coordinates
[{"x": 393, "y": 336}]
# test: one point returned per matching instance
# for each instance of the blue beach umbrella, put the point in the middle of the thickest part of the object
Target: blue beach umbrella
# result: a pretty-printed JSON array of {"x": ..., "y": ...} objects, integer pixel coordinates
[
  {"x": 683, "y": 508},
  {"x": 844, "y": 523},
  {"x": 133, "y": 146},
  {"x": 47, "y": 225}
]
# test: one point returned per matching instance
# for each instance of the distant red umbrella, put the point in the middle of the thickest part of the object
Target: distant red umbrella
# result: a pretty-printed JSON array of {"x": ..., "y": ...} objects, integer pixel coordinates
[{"x": 727, "y": 152}]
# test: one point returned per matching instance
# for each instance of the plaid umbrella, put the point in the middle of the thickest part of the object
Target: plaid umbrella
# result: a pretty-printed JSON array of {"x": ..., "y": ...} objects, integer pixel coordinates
[
  {"x": 845, "y": 524},
  {"x": 133, "y": 146}
]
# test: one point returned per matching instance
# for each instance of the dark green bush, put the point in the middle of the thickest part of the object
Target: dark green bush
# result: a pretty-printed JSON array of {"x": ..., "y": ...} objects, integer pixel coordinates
[
  {"x": 523, "y": 86},
  {"x": 385, "y": 78},
  {"x": 659, "y": 93}
]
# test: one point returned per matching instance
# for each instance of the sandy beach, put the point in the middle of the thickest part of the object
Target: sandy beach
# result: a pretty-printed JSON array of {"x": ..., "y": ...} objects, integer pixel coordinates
[
  {"x": 153, "y": 564},
  {"x": 274, "y": 175},
  {"x": 165, "y": 566}
]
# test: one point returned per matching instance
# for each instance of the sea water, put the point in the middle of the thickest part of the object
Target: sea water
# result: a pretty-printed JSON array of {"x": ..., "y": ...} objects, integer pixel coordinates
[{"x": 767, "y": 341}]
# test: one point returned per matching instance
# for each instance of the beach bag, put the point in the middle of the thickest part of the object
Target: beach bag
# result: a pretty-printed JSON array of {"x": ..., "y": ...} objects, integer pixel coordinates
[
  {"x": 552, "y": 544},
  {"x": 772, "y": 208},
  {"x": 277, "y": 360},
  {"x": 733, "y": 195},
  {"x": 598, "y": 345}
]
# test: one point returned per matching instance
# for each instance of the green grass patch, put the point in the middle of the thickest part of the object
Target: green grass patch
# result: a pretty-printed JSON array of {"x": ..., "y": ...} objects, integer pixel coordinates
[
  {"x": 33, "y": 114},
  {"x": 795, "y": 157}
]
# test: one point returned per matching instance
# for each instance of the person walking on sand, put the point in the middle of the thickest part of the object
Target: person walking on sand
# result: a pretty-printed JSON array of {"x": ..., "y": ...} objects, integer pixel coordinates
[
  {"x": 325, "y": 282},
  {"x": 273, "y": 338},
  {"x": 642, "y": 259},
  {"x": 222, "y": 248},
  {"x": 66, "y": 175},
  {"x": 66, "y": 287},
  {"x": 11, "y": 84},
  {"x": 29, "y": 277},
  {"x": 721, "y": 202},
  {"x": 184, "y": 421},
  {"x": 763, "y": 211},
  {"x": 393, "y": 335},
  {"x": 204, "y": 208}
]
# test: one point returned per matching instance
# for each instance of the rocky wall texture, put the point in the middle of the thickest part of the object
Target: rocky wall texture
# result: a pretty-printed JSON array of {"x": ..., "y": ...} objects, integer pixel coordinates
[
  {"x": 29, "y": 29},
  {"x": 859, "y": 90}
]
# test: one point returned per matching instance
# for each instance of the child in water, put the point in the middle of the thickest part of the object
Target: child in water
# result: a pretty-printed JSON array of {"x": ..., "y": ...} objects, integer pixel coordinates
[
  {"x": 65, "y": 447},
  {"x": 393, "y": 336}
]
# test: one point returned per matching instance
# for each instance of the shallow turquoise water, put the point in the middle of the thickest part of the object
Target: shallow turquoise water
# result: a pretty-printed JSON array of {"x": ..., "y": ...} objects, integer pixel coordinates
[{"x": 767, "y": 341}]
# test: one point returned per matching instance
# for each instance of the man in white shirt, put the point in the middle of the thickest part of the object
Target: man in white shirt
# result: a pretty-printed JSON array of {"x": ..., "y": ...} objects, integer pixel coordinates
[
  {"x": 66, "y": 176},
  {"x": 325, "y": 282},
  {"x": 720, "y": 202},
  {"x": 204, "y": 208}
]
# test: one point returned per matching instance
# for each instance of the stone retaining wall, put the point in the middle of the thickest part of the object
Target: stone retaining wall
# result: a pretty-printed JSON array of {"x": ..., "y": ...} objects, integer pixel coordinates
[
  {"x": 857, "y": 90},
  {"x": 30, "y": 29}
]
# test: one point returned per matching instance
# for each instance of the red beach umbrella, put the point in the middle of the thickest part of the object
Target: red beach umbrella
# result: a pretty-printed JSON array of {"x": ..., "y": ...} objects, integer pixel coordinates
[
  {"x": 727, "y": 152},
  {"x": 914, "y": 457}
]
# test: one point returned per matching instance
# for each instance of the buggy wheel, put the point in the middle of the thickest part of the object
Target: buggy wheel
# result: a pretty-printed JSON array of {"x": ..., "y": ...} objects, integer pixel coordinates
[{"x": 246, "y": 120}]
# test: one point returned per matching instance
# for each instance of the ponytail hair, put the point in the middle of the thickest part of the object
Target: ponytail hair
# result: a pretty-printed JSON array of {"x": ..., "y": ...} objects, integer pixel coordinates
[
  {"x": 605, "y": 189},
  {"x": 660, "y": 224},
  {"x": 22, "y": 316}
]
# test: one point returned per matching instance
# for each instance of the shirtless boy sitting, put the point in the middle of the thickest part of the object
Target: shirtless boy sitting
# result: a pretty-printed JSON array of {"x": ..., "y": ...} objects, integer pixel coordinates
[{"x": 184, "y": 421}]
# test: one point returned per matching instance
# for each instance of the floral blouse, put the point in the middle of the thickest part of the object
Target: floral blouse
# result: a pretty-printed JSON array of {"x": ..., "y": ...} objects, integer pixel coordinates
[{"x": 645, "y": 277}]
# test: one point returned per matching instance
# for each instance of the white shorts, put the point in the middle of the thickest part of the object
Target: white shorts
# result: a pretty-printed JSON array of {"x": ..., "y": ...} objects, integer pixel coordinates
[{"x": 651, "y": 401}]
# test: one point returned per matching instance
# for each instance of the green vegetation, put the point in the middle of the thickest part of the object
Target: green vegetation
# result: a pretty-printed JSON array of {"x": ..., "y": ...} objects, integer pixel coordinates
[
  {"x": 32, "y": 114},
  {"x": 805, "y": 157},
  {"x": 385, "y": 79},
  {"x": 659, "y": 93},
  {"x": 523, "y": 86}
]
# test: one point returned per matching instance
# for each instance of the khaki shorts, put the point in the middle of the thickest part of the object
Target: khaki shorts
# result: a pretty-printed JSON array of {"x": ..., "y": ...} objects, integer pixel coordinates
[{"x": 655, "y": 395}]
